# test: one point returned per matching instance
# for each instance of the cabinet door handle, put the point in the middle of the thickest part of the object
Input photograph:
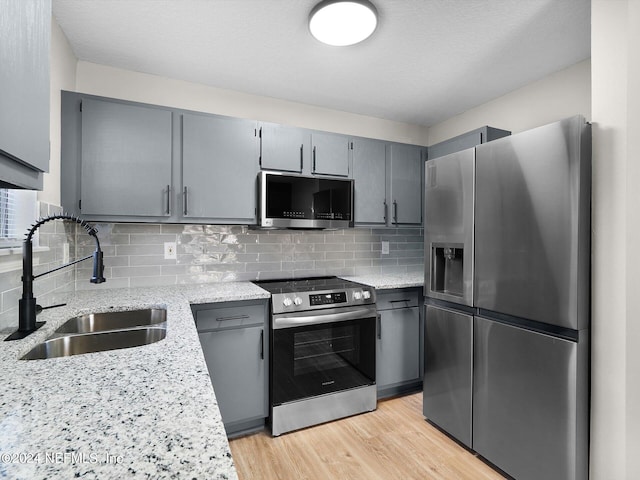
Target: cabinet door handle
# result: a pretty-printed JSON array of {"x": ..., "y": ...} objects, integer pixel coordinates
[
  {"x": 314, "y": 159},
  {"x": 168, "y": 199},
  {"x": 261, "y": 344},
  {"x": 233, "y": 317},
  {"x": 185, "y": 200},
  {"x": 386, "y": 208},
  {"x": 395, "y": 212},
  {"x": 301, "y": 155},
  {"x": 379, "y": 318}
]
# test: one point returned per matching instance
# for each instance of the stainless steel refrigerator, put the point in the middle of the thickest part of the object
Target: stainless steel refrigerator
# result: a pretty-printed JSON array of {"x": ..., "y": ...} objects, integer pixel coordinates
[{"x": 507, "y": 281}]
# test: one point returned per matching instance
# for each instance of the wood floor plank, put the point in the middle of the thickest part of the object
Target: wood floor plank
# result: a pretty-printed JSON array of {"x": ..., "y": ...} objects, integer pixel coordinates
[{"x": 393, "y": 442}]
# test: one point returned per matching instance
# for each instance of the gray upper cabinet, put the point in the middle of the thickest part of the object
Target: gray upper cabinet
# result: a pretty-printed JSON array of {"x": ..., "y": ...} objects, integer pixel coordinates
[
  {"x": 25, "y": 38},
  {"x": 406, "y": 166},
  {"x": 219, "y": 168},
  {"x": 369, "y": 175},
  {"x": 284, "y": 148},
  {"x": 126, "y": 159},
  {"x": 329, "y": 154},
  {"x": 466, "y": 140}
]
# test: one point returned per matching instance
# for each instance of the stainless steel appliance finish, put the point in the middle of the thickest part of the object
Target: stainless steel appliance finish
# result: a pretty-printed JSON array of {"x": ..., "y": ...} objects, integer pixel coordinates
[
  {"x": 530, "y": 350},
  {"x": 448, "y": 227},
  {"x": 300, "y": 201},
  {"x": 448, "y": 377},
  {"x": 533, "y": 192},
  {"x": 531, "y": 402},
  {"x": 324, "y": 408},
  {"x": 323, "y": 344}
]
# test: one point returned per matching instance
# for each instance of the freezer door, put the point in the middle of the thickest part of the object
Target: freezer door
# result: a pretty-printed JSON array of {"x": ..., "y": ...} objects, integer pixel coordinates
[
  {"x": 530, "y": 402},
  {"x": 448, "y": 371},
  {"x": 448, "y": 227},
  {"x": 532, "y": 233}
]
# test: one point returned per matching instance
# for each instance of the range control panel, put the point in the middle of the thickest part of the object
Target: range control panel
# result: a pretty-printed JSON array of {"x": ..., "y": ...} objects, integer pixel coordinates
[
  {"x": 327, "y": 298},
  {"x": 300, "y": 301}
]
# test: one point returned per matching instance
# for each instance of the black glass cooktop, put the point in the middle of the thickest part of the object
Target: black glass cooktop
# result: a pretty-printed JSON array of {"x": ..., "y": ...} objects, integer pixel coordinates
[{"x": 305, "y": 285}]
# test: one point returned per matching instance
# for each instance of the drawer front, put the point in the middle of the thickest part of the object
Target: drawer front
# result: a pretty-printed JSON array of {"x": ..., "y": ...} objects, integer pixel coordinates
[
  {"x": 401, "y": 298},
  {"x": 230, "y": 317}
]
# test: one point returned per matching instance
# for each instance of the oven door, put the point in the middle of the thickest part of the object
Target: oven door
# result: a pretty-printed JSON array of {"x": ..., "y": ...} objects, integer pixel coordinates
[{"x": 322, "y": 352}]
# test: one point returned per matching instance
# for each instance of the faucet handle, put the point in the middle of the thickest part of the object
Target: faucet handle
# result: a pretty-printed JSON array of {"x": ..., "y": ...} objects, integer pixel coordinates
[{"x": 98, "y": 268}]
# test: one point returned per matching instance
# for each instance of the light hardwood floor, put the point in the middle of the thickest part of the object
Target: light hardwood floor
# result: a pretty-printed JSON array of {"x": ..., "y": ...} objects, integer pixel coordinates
[{"x": 393, "y": 442}]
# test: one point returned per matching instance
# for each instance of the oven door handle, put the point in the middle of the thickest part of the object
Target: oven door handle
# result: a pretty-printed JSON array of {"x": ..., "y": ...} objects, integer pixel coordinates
[{"x": 302, "y": 320}]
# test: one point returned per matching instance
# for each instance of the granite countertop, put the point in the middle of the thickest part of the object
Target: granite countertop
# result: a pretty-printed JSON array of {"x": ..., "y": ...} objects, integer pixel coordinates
[
  {"x": 145, "y": 412},
  {"x": 383, "y": 281}
]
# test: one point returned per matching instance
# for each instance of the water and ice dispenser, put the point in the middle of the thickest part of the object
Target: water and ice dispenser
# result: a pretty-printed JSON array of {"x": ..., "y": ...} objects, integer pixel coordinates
[{"x": 447, "y": 263}]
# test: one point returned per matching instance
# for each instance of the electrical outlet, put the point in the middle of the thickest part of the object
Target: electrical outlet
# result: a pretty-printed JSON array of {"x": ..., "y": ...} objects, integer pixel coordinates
[
  {"x": 385, "y": 248},
  {"x": 170, "y": 251},
  {"x": 65, "y": 253}
]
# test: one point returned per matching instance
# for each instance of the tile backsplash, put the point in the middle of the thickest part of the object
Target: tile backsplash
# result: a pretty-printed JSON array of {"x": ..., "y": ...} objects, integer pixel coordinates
[
  {"x": 134, "y": 256},
  {"x": 134, "y": 253}
]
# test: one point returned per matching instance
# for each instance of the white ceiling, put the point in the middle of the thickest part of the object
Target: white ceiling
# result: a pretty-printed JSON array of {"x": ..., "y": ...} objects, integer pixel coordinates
[{"x": 427, "y": 61}]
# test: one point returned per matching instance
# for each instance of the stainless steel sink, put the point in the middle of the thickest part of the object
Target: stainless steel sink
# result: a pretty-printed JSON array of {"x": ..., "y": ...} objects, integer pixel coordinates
[
  {"x": 99, "y": 322},
  {"x": 65, "y": 346}
]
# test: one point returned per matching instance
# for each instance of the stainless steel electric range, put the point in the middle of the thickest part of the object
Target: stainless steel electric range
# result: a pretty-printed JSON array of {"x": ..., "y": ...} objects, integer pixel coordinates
[{"x": 323, "y": 351}]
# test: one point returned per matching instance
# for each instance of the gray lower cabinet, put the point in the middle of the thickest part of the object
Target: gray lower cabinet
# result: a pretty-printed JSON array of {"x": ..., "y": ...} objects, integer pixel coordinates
[
  {"x": 448, "y": 371},
  {"x": 25, "y": 39},
  {"x": 233, "y": 338},
  {"x": 219, "y": 170},
  {"x": 399, "y": 346},
  {"x": 126, "y": 159},
  {"x": 369, "y": 175},
  {"x": 406, "y": 164},
  {"x": 330, "y": 154}
]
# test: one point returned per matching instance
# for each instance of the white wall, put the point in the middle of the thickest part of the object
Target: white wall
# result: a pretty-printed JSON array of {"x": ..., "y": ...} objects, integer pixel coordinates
[
  {"x": 615, "y": 420},
  {"x": 140, "y": 87},
  {"x": 562, "y": 94},
  {"x": 63, "y": 73}
]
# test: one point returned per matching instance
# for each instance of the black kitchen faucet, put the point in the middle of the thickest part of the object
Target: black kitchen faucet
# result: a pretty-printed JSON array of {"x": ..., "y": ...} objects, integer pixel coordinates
[{"x": 28, "y": 309}]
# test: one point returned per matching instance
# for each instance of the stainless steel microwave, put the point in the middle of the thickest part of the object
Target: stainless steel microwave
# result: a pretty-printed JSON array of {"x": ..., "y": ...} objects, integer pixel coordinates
[{"x": 301, "y": 201}]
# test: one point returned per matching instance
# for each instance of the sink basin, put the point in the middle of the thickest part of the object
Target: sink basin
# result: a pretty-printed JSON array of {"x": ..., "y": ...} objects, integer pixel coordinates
[
  {"x": 100, "y": 322},
  {"x": 96, "y": 342}
]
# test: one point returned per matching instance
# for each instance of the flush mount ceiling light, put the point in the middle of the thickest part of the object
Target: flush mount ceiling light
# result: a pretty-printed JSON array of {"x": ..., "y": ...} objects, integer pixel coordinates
[{"x": 341, "y": 23}]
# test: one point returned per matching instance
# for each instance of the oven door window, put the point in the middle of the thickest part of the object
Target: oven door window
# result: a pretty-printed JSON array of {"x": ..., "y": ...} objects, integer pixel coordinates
[{"x": 318, "y": 359}]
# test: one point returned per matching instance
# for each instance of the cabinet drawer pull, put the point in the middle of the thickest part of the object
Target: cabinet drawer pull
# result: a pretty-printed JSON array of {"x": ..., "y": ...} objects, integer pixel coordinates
[
  {"x": 262, "y": 344},
  {"x": 400, "y": 301},
  {"x": 185, "y": 200},
  {"x": 232, "y": 317}
]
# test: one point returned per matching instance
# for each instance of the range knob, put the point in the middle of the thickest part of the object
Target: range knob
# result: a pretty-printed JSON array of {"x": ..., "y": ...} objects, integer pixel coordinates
[
  {"x": 297, "y": 301},
  {"x": 366, "y": 294},
  {"x": 357, "y": 295},
  {"x": 287, "y": 302}
]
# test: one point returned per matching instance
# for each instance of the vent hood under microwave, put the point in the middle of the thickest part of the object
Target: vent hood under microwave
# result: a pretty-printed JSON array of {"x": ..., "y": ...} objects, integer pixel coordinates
[{"x": 301, "y": 201}]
